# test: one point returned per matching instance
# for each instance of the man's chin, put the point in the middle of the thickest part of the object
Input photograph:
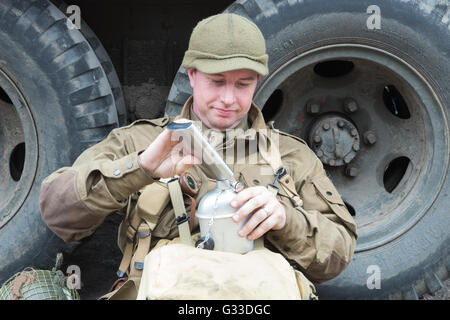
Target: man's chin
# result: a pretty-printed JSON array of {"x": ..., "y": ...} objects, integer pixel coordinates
[{"x": 223, "y": 124}]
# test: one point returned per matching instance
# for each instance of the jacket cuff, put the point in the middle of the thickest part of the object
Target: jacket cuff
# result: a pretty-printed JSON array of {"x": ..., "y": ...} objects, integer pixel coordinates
[{"x": 125, "y": 176}]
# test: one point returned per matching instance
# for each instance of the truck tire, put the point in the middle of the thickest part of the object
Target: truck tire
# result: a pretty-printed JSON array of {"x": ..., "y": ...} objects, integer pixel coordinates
[
  {"x": 105, "y": 61},
  {"x": 55, "y": 101},
  {"x": 384, "y": 71}
]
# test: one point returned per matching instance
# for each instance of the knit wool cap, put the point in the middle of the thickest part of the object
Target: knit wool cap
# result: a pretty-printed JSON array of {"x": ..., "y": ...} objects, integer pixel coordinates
[{"x": 226, "y": 42}]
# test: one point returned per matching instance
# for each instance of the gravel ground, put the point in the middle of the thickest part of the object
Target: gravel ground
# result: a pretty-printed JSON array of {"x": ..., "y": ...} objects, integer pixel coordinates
[{"x": 99, "y": 257}]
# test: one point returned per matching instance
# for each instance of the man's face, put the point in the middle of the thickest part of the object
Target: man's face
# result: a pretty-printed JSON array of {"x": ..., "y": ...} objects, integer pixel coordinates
[{"x": 221, "y": 100}]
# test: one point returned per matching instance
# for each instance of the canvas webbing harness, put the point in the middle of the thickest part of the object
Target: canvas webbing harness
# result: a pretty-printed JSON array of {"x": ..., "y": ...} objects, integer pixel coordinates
[
  {"x": 154, "y": 198},
  {"x": 143, "y": 219}
]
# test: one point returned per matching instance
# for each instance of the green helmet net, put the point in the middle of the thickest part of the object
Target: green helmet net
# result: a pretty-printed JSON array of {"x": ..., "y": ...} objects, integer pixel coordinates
[{"x": 31, "y": 284}]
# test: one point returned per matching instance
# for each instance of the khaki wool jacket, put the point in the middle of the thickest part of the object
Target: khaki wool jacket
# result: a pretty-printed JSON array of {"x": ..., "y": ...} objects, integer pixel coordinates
[{"x": 318, "y": 239}]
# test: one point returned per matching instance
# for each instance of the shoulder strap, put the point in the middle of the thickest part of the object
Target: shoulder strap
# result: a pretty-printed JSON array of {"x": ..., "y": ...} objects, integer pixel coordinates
[
  {"x": 271, "y": 154},
  {"x": 176, "y": 196}
]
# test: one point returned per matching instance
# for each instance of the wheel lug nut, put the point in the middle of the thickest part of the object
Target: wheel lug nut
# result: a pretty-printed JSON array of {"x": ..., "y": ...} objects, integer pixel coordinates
[
  {"x": 319, "y": 153},
  {"x": 326, "y": 126},
  {"x": 331, "y": 162},
  {"x": 317, "y": 139},
  {"x": 350, "y": 105},
  {"x": 351, "y": 171},
  {"x": 340, "y": 124},
  {"x": 347, "y": 159},
  {"x": 370, "y": 137},
  {"x": 355, "y": 147},
  {"x": 312, "y": 107},
  {"x": 354, "y": 132}
]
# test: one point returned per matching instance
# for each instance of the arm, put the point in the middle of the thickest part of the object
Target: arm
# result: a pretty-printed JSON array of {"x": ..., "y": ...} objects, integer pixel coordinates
[
  {"x": 321, "y": 237},
  {"x": 75, "y": 200}
]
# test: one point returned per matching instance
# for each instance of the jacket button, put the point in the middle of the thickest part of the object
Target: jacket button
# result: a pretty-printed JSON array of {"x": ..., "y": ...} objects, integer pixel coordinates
[
  {"x": 286, "y": 248},
  {"x": 329, "y": 193},
  {"x": 129, "y": 165},
  {"x": 116, "y": 172},
  {"x": 255, "y": 181}
]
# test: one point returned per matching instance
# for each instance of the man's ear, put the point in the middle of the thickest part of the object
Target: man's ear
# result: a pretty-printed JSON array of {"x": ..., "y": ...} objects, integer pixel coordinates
[{"x": 191, "y": 75}]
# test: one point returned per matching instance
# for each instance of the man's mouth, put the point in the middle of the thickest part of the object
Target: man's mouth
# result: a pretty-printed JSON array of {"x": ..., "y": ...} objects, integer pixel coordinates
[{"x": 224, "y": 112}]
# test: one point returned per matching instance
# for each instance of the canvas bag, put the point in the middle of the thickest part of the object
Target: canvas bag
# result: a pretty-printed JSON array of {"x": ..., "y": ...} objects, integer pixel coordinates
[{"x": 181, "y": 272}]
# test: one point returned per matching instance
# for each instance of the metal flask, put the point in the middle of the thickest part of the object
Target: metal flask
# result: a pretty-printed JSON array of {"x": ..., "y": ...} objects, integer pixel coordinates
[{"x": 217, "y": 229}]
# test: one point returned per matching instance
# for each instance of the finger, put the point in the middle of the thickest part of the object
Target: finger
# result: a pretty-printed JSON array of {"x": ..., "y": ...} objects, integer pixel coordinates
[
  {"x": 264, "y": 227},
  {"x": 258, "y": 217},
  {"x": 250, "y": 206},
  {"x": 245, "y": 194}
]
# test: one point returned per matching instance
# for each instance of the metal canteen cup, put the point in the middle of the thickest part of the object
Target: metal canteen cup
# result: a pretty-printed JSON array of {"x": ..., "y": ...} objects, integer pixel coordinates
[{"x": 214, "y": 210}]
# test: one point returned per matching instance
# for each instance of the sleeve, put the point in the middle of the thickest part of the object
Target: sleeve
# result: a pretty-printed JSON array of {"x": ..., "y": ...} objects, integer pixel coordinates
[
  {"x": 75, "y": 200},
  {"x": 319, "y": 238}
]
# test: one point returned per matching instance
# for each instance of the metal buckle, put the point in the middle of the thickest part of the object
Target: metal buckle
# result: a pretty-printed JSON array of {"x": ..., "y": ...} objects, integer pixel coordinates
[{"x": 182, "y": 219}]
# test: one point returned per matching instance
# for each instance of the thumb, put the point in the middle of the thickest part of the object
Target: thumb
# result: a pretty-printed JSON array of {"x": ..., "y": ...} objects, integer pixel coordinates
[{"x": 185, "y": 163}]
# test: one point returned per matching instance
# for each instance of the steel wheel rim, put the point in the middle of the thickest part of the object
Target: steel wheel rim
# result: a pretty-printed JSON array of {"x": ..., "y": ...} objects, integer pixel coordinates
[
  {"x": 425, "y": 173},
  {"x": 19, "y": 152}
]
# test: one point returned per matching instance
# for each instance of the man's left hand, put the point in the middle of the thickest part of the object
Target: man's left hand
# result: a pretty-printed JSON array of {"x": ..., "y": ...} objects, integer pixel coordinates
[{"x": 268, "y": 213}]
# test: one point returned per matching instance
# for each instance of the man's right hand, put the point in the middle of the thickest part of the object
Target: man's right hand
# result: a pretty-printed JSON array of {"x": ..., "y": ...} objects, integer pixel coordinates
[{"x": 163, "y": 157}]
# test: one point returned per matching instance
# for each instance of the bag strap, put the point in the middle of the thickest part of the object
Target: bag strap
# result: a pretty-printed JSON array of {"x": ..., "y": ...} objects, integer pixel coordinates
[
  {"x": 143, "y": 247},
  {"x": 176, "y": 197},
  {"x": 133, "y": 221}
]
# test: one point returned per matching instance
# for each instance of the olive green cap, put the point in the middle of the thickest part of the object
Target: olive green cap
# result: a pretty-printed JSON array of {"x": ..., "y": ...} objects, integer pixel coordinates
[{"x": 226, "y": 42}]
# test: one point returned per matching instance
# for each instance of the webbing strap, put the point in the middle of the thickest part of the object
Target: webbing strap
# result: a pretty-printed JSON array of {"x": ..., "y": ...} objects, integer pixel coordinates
[
  {"x": 180, "y": 211},
  {"x": 143, "y": 246},
  {"x": 126, "y": 259},
  {"x": 271, "y": 154},
  {"x": 273, "y": 189},
  {"x": 133, "y": 221}
]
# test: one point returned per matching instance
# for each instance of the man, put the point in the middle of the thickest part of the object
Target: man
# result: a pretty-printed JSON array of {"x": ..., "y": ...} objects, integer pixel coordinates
[{"x": 225, "y": 60}]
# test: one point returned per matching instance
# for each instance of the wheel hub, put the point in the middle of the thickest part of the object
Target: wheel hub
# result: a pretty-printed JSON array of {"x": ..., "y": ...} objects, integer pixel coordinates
[
  {"x": 398, "y": 152},
  {"x": 334, "y": 139}
]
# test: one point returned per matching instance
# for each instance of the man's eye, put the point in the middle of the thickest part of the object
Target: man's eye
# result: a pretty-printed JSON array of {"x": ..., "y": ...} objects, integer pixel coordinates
[
  {"x": 218, "y": 82},
  {"x": 241, "y": 84}
]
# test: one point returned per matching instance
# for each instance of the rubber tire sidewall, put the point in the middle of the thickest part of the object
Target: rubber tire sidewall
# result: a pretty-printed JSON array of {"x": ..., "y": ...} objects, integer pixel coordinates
[{"x": 26, "y": 241}]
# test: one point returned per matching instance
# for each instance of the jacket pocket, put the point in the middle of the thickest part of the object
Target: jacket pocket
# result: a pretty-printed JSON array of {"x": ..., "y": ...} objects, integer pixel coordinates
[{"x": 328, "y": 192}]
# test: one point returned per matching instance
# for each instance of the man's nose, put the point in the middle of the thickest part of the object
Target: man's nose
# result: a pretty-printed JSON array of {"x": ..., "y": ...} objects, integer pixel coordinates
[{"x": 228, "y": 97}]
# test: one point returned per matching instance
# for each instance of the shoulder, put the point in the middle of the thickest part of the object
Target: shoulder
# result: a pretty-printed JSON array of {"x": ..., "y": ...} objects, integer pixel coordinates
[
  {"x": 158, "y": 122},
  {"x": 295, "y": 152},
  {"x": 143, "y": 126},
  {"x": 287, "y": 142},
  {"x": 140, "y": 133}
]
